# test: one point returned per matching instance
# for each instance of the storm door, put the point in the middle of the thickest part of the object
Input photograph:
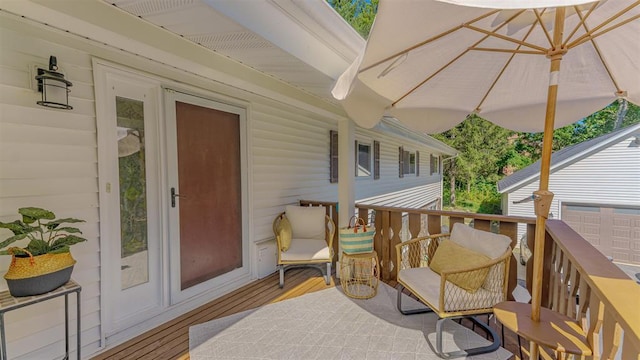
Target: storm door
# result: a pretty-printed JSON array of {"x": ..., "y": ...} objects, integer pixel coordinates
[{"x": 205, "y": 145}]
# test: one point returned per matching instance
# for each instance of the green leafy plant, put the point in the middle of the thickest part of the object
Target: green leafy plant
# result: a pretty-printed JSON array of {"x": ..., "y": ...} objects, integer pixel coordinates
[{"x": 44, "y": 237}]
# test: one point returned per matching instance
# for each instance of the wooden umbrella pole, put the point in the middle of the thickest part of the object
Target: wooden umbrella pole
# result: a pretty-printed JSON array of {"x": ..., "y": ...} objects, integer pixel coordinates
[{"x": 543, "y": 196}]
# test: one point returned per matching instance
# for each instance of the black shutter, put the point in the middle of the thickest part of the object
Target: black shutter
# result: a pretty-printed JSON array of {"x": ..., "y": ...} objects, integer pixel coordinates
[
  {"x": 357, "y": 158},
  {"x": 376, "y": 160},
  {"x": 401, "y": 161},
  {"x": 417, "y": 163},
  {"x": 333, "y": 156}
]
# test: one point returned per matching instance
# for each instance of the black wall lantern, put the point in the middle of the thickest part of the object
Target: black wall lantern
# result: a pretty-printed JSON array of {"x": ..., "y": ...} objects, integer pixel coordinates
[{"x": 53, "y": 86}]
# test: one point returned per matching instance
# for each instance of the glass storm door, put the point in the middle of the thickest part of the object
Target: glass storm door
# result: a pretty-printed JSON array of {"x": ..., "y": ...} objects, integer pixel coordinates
[
  {"x": 205, "y": 152},
  {"x": 130, "y": 202}
]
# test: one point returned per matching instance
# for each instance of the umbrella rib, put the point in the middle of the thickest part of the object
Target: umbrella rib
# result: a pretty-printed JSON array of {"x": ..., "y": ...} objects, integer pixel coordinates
[
  {"x": 528, "y": 52},
  {"x": 504, "y": 68},
  {"x": 585, "y": 37},
  {"x": 597, "y": 48},
  {"x": 582, "y": 21},
  {"x": 503, "y": 37},
  {"x": 544, "y": 29},
  {"x": 455, "y": 59},
  {"x": 594, "y": 35},
  {"x": 434, "y": 38}
]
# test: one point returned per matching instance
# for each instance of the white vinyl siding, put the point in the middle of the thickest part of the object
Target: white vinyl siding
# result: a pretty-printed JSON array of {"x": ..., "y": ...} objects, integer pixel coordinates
[
  {"x": 610, "y": 176},
  {"x": 389, "y": 181},
  {"x": 48, "y": 158}
]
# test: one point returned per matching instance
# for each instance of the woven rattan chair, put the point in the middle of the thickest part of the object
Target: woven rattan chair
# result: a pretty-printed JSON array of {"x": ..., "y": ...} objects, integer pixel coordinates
[
  {"x": 307, "y": 248},
  {"x": 440, "y": 294}
]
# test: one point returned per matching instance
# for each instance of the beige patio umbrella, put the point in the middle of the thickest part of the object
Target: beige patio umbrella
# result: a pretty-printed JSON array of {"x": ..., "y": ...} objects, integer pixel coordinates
[{"x": 431, "y": 63}]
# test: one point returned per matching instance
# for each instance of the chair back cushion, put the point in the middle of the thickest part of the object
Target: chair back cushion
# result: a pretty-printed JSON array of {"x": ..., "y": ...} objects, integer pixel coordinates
[
  {"x": 284, "y": 233},
  {"x": 451, "y": 256},
  {"x": 306, "y": 222},
  {"x": 484, "y": 242}
]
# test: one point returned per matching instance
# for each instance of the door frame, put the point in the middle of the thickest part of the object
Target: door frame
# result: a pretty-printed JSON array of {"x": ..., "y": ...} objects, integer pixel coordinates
[
  {"x": 180, "y": 82},
  {"x": 171, "y": 95},
  {"x": 109, "y": 199}
]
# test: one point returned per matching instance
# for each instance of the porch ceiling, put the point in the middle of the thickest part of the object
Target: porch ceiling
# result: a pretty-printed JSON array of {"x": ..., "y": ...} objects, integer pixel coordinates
[{"x": 302, "y": 43}]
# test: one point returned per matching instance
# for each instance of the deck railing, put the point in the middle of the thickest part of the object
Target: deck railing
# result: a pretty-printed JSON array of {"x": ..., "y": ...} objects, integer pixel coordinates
[{"x": 578, "y": 280}]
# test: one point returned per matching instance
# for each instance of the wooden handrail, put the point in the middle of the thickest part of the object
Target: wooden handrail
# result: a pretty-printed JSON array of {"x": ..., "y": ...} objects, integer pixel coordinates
[
  {"x": 578, "y": 281},
  {"x": 581, "y": 274}
]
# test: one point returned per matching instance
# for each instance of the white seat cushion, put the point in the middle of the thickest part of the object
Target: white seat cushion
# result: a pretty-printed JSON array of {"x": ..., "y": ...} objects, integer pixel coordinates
[
  {"x": 306, "y": 249},
  {"x": 426, "y": 283},
  {"x": 484, "y": 242}
]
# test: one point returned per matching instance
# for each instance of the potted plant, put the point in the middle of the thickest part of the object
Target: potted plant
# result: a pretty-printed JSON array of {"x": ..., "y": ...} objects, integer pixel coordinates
[{"x": 45, "y": 263}]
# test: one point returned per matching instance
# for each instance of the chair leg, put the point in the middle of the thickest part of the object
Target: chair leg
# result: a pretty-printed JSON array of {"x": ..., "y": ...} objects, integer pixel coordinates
[
  {"x": 281, "y": 276},
  {"x": 399, "y": 287},
  {"x": 328, "y": 277},
  {"x": 466, "y": 352}
]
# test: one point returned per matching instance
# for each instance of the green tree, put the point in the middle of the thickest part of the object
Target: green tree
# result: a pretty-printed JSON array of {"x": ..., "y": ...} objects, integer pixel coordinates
[
  {"x": 358, "y": 13},
  {"x": 481, "y": 145},
  {"x": 592, "y": 126}
]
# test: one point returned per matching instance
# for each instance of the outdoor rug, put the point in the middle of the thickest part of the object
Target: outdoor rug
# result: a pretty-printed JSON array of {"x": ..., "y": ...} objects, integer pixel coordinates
[{"x": 329, "y": 325}]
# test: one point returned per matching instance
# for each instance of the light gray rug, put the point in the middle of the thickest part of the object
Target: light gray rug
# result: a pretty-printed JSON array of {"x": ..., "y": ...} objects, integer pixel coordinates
[{"x": 329, "y": 325}]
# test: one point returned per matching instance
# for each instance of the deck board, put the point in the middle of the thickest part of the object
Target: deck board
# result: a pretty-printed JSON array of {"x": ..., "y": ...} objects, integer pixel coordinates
[{"x": 171, "y": 339}]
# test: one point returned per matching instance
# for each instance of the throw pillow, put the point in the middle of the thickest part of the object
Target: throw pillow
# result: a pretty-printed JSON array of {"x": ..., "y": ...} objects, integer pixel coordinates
[
  {"x": 306, "y": 222},
  {"x": 484, "y": 242},
  {"x": 284, "y": 234},
  {"x": 451, "y": 256}
]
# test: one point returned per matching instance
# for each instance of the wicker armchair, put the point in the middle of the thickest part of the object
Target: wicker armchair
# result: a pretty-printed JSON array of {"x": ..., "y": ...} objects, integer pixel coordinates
[
  {"x": 306, "y": 248},
  {"x": 448, "y": 293}
]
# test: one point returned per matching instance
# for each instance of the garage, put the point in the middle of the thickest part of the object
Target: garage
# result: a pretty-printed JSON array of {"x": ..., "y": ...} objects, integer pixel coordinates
[{"x": 612, "y": 229}]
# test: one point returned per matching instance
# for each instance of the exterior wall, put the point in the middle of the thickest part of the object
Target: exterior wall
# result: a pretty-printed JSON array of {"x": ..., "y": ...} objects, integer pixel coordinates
[
  {"x": 610, "y": 176},
  {"x": 48, "y": 158},
  {"x": 418, "y": 190}
]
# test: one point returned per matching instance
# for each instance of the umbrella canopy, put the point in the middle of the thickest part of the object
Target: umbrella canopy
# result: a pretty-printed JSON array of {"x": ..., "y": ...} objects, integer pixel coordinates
[{"x": 431, "y": 63}]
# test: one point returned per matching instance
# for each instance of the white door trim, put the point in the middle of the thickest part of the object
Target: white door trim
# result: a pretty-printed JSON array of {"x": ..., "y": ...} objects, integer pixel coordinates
[{"x": 122, "y": 309}]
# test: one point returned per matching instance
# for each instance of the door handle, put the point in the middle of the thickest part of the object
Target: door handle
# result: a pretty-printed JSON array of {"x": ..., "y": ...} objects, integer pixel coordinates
[{"x": 174, "y": 196}]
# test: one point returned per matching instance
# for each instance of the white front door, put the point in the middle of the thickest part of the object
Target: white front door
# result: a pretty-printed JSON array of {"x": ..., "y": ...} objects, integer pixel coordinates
[{"x": 130, "y": 212}]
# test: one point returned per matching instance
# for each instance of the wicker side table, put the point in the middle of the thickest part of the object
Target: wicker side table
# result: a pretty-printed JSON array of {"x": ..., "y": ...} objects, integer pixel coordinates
[{"x": 360, "y": 275}]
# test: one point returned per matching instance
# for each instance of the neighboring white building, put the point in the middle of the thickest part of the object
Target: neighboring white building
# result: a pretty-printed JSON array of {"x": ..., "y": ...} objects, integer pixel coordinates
[
  {"x": 597, "y": 192},
  {"x": 143, "y": 70}
]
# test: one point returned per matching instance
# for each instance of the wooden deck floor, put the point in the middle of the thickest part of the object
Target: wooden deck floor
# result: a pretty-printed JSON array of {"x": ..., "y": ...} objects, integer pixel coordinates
[{"x": 171, "y": 340}]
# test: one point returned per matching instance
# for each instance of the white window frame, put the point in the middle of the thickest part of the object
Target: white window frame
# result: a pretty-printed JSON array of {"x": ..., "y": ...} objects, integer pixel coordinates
[{"x": 369, "y": 145}]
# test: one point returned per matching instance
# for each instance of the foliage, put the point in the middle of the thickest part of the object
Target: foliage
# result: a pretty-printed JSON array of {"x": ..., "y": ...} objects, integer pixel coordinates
[
  {"x": 358, "y": 13},
  {"x": 487, "y": 153},
  {"x": 44, "y": 237},
  {"x": 132, "y": 180},
  {"x": 481, "y": 145},
  {"x": 483, "y": 198},
  {"x": 594, "y": 125}
]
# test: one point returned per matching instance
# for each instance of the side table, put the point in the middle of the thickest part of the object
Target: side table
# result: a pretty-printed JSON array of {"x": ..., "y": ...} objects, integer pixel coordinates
[
  {"x": 8, "y": 303},
  {"x": 360, "y": 275},
  {"x": 555, "y": 331}
]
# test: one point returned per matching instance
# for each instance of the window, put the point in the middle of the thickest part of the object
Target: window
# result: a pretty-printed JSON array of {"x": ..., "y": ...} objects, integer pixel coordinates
[
  {"x": 434, "y": 166},
  {"x": 363, "y": 160},
  {"x": 408, "y": 162},
  {"x": 333, "y": 156}
]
